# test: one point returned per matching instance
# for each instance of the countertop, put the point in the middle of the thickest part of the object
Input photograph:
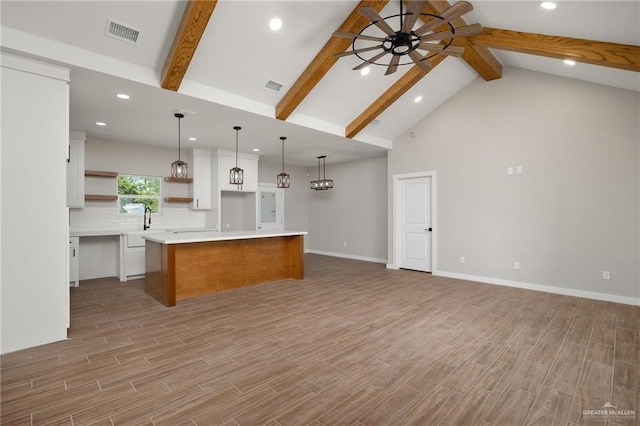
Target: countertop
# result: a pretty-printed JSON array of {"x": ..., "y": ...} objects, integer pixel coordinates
[
  {"x": 204, "y": 236},
  {"x": 133, "y": 231}
]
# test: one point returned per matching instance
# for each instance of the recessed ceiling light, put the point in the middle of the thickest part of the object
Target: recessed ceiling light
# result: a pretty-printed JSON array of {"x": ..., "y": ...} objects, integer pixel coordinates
[
  {"x": 193, "y": 139},
  {"x": 100, "y": 123},
  {"x": 256, "y": 149},
  {"x": 549, "y": 5},
  {"x": 417, "y": 99},
  {"x": 275, "y": 24},
  {"x": 569, "y": 62},
  {"x": 123, "y": 96},
  {"x": 365, "y": 71}
]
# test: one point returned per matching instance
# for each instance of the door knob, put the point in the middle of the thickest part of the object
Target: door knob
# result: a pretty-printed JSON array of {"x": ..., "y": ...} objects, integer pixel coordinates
[{"x": 428, "y": 229}]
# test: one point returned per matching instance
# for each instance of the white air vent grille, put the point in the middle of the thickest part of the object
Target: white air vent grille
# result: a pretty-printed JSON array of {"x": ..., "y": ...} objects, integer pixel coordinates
[
  {"x": 273, "y": 86},
  {"x": 121, "y": 31}
]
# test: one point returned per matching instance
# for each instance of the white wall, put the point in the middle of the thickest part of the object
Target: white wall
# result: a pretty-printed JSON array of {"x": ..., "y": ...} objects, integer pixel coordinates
[
  {"x": 573, "y": 213},
  {"x": 354, "y": 212},
  {"x": 35, "y": 134}
]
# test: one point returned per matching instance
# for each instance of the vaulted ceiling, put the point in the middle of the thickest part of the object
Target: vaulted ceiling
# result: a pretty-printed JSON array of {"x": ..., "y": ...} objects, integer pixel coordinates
[{"x": 214, "y": 58}]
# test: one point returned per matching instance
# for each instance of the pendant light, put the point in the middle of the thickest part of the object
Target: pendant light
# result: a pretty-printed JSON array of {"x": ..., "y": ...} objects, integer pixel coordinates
[
  {"x": 179, "y": 168},
  {"x": 236, "y": 175},
  {"x": 283, "y": 178},
  {"x": 321, "y": 184}
]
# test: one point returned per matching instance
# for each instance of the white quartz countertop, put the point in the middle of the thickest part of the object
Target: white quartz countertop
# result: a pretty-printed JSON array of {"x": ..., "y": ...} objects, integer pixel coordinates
[
  {"x": 107, "y": 233},
  {"x": 204, "y": 236}
]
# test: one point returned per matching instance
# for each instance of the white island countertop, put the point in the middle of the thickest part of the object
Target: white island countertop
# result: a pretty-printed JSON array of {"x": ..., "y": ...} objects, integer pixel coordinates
[{"x": 204, "y": 236}]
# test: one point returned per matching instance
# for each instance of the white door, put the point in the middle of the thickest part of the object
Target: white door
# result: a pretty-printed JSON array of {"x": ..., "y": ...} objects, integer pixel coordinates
[
  {"x": 270, "y": 207},
  {"x": 415, "y": 227}
]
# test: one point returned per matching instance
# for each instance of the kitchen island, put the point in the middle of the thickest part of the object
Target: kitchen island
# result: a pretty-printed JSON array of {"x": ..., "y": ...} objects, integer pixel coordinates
[{"x": 182, "y": 265}]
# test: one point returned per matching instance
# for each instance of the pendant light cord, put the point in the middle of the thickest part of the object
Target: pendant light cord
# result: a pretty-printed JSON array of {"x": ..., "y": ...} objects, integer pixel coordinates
[{"x": 179, "y": 118}]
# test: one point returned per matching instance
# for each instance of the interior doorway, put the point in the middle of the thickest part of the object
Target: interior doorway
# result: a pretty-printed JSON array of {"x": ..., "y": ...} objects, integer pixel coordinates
[{"x": 414, "y": 221}]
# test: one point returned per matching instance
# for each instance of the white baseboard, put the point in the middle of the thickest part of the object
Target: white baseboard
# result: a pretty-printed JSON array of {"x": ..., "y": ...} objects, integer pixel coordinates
[
  {"x": 347, "y": 256},
  {"x": 392, "y": 266},
  {"x": 546, "y": 288}
]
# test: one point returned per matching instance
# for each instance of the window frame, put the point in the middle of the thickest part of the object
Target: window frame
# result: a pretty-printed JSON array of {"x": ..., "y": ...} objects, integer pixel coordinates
[{"x": 157, "y": 197}]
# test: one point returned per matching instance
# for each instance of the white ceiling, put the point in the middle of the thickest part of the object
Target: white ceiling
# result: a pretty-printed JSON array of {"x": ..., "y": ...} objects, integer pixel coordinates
[{"x": 238, "y": 54}]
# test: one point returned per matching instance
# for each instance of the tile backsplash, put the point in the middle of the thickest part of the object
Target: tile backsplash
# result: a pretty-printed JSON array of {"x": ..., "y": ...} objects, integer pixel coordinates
[{"x": 108, "y": 219}]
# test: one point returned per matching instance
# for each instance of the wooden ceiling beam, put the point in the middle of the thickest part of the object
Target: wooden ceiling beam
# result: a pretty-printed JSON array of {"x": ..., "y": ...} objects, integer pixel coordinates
[
  {"x": 478, "y": 57},
  {"x": 194, "y": 22},
  {"x": 324, "y": 60},
  {"x": 613, "y": 55},
  {"x": 392, "y": 94}
]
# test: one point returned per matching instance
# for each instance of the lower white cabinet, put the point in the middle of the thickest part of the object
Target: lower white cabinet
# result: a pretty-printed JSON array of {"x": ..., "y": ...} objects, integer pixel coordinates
[
  {"x": 134, "y": 254},
  {"x": 74, "y": 261}
]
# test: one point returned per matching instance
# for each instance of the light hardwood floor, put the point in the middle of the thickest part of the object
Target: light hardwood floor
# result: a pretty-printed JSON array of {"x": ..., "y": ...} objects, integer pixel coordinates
[{"x": 351, "y": 344}]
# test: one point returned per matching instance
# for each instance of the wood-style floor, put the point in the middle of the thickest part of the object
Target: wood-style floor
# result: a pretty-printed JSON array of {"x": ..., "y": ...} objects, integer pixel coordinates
[{"x": 351, "y": 344}]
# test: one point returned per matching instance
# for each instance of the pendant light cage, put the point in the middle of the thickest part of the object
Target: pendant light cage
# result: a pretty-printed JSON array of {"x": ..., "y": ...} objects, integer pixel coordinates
[
  {"x": 236, "y": 174},
  {"x": 323, "y": 183},
  {"x": 283, "y": 179},
  {"x": 179, "y": 169}
]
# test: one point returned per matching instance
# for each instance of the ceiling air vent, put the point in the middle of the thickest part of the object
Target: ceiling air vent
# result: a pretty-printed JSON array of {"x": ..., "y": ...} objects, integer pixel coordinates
[
  {"x": 273, "y": 86},
  {"x": 121, "y": 31}
]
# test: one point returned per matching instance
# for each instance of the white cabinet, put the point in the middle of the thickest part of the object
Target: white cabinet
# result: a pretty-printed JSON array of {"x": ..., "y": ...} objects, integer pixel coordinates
[
  {"x": 74, "y": 261},
  {"x": 134, "y": 257},
  {"x": 201, "y": 186},
  {"x": 247, "y": 162},
  {"x": 75, "y": 170}
]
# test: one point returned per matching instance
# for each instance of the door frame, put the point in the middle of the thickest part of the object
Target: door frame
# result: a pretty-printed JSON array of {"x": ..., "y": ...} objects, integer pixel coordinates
[
  {"x": 398, "y": 180},
  {"x": 279, "y": 201}
]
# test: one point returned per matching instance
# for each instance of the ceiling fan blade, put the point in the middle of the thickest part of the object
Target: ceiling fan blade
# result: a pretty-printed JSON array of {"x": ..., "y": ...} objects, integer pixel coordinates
[
  {"x": 358, "y": 36},
  {"x": 465, "y": 31},
  {"x": 371, "y": 14},
  {"x": 420, "y": 60},
  {"x": 412, "y": 13},
  {"x": 353, "y": 52},
  {"x": 369, "y": 61},
  {"x": 451, "y": 50},
  {"x": 455, "y": 11},
  {"x": 393, "y": 65}
]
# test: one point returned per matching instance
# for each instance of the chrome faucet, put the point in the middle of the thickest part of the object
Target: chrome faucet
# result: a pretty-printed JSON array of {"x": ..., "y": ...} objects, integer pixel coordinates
[{"x": 146, "y": 223}]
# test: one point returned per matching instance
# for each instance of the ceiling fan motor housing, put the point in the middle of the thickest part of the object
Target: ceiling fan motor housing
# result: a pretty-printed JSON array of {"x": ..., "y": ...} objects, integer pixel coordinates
[{"x": 400, "y": 43}]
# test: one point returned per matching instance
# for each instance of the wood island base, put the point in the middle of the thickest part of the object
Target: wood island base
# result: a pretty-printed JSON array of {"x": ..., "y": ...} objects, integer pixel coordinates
[{"x": 182, "y": 271}]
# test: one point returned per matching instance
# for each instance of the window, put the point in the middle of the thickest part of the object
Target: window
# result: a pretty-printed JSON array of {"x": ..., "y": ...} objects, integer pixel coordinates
[{"x": 135, "y": 193}]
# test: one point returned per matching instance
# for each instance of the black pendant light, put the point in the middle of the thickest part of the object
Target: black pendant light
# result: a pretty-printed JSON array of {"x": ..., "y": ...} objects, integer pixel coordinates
[
  {"x": 321, "y": 184},
  {"x": 283, "y": 178},
  {"x": 236, "y": 175},
  {"x": 179, "y": 168}
]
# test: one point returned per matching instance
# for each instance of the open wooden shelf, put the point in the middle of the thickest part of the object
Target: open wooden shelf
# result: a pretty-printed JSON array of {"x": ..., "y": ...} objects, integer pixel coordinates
[
  {"x": 179, "y": 180},
  {"x": 178, "y": 199},
  {"x": 94, "y": 197},
  {"x": 98, "y": 173}
]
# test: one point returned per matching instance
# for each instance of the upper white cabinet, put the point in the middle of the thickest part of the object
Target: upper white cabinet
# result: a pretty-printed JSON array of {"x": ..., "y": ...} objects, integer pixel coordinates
[
  {"x": 75, "y": 170},
  {"x": 201, "y": 186},
  {"x": 247, "y": 162}
]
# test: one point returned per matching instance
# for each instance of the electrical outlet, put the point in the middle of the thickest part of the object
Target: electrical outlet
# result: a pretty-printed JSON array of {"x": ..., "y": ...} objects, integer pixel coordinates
[
  {"x": 510, "y": 170},
  {"x": 606, "y": 275},
  {"x": 519, "y": 170},
  {"x": 462, "y": 259},
  {"x": 228, "y": 225},
  {"x": 344, "y": 244},
  {"x": 516, "y": 265}
]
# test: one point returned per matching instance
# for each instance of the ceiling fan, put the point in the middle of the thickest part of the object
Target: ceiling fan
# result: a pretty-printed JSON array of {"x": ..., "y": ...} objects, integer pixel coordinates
[{"x": 408, "y": 41}]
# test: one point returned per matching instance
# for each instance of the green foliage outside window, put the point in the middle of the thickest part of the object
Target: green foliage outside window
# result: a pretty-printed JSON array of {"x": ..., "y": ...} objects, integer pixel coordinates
[{"x": 135, "y": 193}]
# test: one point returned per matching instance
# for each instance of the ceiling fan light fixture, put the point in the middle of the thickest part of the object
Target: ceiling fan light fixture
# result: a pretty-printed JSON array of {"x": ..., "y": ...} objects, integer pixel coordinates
[
  {"x": 549, "y": 5},
  {"x": 179, "y": 169}
]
